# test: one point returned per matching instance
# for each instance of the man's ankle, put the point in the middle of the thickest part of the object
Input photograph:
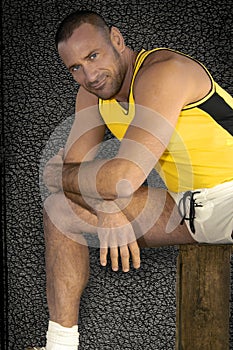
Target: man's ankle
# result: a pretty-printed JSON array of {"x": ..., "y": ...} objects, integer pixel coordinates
[{"x": 62, "y": 338}]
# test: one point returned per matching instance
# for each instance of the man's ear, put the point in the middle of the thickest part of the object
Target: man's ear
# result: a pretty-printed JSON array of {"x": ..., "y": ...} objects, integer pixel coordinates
[{"x": 117, "y": 39}]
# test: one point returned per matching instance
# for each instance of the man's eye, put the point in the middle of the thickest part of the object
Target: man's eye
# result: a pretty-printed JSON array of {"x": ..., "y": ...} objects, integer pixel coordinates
[
  {"x": 75, "y": 68},
  {"x": 93, "y": 56}
]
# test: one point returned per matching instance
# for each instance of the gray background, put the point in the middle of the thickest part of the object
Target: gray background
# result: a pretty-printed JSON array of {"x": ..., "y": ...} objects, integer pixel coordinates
[{"x": 119, "y": 311}]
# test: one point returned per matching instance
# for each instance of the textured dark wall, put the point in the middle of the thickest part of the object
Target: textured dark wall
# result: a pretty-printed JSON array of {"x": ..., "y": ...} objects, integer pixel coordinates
[{"x": 119, "y": 311}]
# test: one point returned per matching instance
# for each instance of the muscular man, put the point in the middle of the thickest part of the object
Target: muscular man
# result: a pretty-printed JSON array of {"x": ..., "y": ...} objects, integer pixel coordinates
[{"x": 169, "y": 114}]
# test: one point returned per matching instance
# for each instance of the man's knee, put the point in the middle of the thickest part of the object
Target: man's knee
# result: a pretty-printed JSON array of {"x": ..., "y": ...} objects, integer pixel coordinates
[
  {"x": 53, "y": 207},
  {"x": 58, "y": 212}
]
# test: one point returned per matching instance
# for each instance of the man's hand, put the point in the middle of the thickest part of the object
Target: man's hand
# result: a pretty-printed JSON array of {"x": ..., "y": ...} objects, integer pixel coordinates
[
  {"x": 53, "y": 172},
  {"x": 116, "y": 232}
]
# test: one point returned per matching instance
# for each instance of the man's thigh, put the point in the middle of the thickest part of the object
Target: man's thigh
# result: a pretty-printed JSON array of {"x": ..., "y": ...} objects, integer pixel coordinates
[{"x": 156, "y": 219}]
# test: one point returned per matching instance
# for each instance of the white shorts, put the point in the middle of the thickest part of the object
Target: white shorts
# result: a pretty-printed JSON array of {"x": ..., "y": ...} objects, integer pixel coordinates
[{"x": 208, "y": 213}]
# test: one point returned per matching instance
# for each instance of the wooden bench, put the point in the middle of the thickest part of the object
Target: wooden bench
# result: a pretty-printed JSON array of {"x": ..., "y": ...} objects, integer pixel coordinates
[{"x": 203, "y": 297}]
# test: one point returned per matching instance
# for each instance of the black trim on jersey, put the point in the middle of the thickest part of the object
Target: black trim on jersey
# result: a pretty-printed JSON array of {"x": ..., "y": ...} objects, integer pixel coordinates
[{"x": 219, "y": 110}]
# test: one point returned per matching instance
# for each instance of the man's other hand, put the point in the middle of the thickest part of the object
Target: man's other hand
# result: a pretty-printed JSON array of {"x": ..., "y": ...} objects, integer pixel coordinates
[
  {"x": 117, "y": 237},
  {"x": 52, "y": 174}
]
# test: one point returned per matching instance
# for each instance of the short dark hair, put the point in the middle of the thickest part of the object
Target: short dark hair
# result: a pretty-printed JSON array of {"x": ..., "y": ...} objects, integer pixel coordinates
[{"x": 75, "y": 19}]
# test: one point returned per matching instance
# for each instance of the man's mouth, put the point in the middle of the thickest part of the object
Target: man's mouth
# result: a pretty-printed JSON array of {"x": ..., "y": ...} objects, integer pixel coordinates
[{"x": 98, "y": 85}]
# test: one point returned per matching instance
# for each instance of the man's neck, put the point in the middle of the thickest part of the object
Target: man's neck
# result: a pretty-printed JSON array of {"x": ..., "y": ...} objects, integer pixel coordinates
[{"x": 129, "y": 59}]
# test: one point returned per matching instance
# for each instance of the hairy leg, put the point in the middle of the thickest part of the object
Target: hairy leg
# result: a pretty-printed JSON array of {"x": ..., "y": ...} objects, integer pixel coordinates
[{"x": 67, "y": 257}]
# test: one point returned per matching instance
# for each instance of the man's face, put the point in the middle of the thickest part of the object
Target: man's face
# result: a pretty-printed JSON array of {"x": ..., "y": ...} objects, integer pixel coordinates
[{"x": 93, "y": 60}]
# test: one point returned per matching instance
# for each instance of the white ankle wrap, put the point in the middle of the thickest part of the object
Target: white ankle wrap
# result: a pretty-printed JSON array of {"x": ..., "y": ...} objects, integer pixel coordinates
[{"x": 59, "y": 337}]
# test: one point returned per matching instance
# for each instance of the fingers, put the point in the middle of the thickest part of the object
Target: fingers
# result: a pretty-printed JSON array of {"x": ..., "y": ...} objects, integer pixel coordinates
[
  {"x": 114, "y": 258},
  {"x": 118, "y": 242},
  {"x": 53, "y": 189},
  {"x": 135, "y": 254},
  {"x": 61, "y": 152},
  {"x": 103, "y": 256},
  {"x": 124, "y": 254},
  {"x": 124, "y": 251},
  {"x": 52, "y": 174},
  {"x": 103, "y": 246}
]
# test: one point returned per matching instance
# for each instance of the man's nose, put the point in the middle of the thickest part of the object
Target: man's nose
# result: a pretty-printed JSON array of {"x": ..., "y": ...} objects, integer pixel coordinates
[{"x": 91, "y": 74}]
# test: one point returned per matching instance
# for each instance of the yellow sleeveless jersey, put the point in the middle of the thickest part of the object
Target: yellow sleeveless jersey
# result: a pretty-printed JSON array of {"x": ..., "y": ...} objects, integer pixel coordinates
[{"x": 200, "y": 152}]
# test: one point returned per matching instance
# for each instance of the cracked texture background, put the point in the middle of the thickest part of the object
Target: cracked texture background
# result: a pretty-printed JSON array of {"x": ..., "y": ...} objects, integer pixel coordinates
[{"x": 118, "y": 311}]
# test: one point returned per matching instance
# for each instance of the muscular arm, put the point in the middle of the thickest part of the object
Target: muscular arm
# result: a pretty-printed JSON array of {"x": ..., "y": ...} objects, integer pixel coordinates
[
  {"x": 85, "y": 137},
  {"x": 114, "y": 230}
]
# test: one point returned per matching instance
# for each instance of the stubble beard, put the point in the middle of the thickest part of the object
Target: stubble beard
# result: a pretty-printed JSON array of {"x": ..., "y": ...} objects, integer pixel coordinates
[{"x": 116, "y": 81}]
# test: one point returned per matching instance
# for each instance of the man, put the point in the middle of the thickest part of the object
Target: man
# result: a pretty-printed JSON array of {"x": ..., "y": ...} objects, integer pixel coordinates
[{"x": 168, "y": 113}]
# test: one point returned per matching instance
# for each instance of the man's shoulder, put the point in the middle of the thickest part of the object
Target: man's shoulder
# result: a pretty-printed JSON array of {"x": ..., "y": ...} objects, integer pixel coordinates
[
  {"x": 166, "y": 72},
  {"x": 158, "y": 55},
  {"x": 162, "y": 63},
  {"x": 161, "y": 58}
]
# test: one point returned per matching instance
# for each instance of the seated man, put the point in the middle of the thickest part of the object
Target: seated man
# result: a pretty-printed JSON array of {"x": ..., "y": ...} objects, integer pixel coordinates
[{"x": 169, "y": 114}]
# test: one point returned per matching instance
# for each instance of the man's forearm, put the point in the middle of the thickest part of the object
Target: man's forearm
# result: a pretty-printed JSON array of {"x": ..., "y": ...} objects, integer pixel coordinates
[
  {"x": 70, "y": 179},
  {"x": 96, "y": 179},
  {"x": 95, "y": 205},
  {"x": 71, "y": 190},
  {"x": 80, "y": 179},
  {"x": 79, "y": 200}
]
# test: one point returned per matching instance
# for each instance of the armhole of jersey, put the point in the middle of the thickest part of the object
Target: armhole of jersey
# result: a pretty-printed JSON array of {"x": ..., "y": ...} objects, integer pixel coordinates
[
  {"x": 144, "y": 54},
  {"x": 212, "y": 88}
]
